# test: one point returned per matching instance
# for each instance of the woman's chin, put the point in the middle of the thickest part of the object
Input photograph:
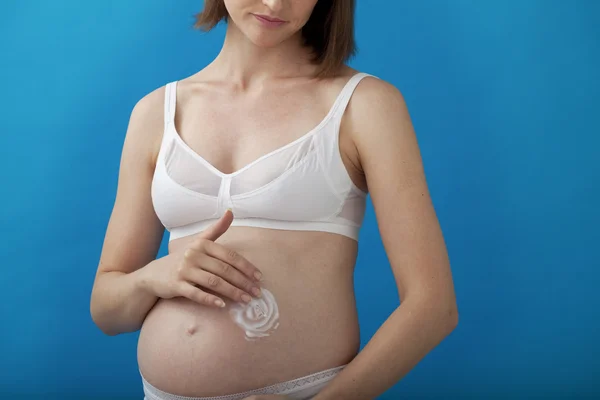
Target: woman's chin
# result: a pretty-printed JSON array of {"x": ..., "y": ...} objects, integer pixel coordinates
[{"x": 265, "y": 38}]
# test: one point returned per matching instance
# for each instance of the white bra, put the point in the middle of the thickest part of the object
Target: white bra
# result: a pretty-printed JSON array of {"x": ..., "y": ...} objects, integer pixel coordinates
[{"x": 303, "y": 185}]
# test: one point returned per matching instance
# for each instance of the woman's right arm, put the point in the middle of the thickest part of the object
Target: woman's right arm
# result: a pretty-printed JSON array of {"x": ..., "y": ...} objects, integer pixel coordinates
[
  {"x": 130, "y": 279},
  {"x": 119, "y": 302}
]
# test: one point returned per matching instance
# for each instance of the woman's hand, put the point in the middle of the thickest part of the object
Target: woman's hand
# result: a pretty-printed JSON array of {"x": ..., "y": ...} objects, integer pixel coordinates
[
  {"x": 207, "y": 265},
  {"x": 267, "y": 397}
]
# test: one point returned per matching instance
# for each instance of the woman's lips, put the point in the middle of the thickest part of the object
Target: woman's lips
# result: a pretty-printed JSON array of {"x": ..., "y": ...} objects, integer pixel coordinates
[{"x": 270, "y": 22}]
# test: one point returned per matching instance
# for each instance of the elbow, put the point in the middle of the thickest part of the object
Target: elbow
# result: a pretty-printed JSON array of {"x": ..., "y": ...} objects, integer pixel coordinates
[
  {"x": 444, "y": 313},
  {"x": 447, "y": 311},
  {"x": 448, "y": 316},
  {"x": 100, "y": 319},
  {"x": 452, "y": 317},
  {"x": 101, "y": 323},
  {"x": 97, "y": 319},
  {"x": 104, "y": 328},
  {"x": 106, "y": 322}
]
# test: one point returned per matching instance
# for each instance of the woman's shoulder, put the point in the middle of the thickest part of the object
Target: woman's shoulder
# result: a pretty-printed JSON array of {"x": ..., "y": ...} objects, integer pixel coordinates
[
  {"x": 148, "y": 109},
  {"x": 370, "y": 87},
  {"x": 372, "y": 90},
  {"x": 146, "y": 121},
  {"x": 377, "y": 105}
]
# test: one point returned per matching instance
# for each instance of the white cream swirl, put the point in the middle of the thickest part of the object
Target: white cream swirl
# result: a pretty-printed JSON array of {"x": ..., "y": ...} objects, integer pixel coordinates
[{"x": 257, "y": 318}]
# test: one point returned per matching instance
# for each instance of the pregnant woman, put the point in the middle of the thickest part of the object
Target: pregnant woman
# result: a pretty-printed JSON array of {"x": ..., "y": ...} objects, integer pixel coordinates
[{"x": 259, "y": 166}]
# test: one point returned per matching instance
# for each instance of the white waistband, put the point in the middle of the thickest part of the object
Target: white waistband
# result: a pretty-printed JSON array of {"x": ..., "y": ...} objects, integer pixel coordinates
[{"x": 300, "y": 388}]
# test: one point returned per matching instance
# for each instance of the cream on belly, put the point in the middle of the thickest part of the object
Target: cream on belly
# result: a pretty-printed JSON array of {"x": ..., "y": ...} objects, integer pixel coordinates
[{"x": 258, "y": 318}]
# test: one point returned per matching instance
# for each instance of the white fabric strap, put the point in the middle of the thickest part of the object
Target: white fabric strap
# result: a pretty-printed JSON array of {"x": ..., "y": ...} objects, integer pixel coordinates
[
  {"x": 170, "y": 99},
  {"x": 346, "y": 93}
]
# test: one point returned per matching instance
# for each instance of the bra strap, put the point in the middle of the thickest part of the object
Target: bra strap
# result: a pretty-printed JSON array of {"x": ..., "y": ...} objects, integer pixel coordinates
[
  {"x": 346, "y": 93},
  {"x": 170, "y": 99},
  {"x": 330, "y": 157}
]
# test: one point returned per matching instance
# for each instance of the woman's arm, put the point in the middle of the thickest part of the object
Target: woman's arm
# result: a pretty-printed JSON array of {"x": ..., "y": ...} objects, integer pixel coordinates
[
  {"x": 378, "y": 121},
  {"x": 119, "y": 303}
]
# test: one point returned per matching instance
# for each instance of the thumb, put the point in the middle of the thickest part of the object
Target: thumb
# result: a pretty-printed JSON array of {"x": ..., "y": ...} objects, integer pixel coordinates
[{"x": 217, "y": 229}]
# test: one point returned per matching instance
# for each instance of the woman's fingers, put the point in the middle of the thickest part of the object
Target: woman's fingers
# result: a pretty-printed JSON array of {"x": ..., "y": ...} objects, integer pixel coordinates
[
  {"x": 197, "y": 295},
  {"x": 230, "y": 257},
  {"x": 219, "y": 277}
]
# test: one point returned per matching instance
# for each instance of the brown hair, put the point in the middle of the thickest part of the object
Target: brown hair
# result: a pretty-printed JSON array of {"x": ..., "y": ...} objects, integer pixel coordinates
[{"x": 329, "y": 31}]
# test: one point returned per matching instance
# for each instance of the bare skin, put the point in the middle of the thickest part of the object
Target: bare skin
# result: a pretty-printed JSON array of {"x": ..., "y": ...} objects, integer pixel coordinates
[
  {"x": 258, "y": 95},
  {"x": 194, "y": 350}
]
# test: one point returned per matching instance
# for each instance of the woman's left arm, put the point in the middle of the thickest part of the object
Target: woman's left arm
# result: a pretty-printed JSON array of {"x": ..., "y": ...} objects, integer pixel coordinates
[{"x": 379, "y": 123}]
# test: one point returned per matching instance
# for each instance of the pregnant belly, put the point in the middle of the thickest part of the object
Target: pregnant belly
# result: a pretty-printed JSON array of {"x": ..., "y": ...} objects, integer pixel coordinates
[{"x": 193, "y": 350}]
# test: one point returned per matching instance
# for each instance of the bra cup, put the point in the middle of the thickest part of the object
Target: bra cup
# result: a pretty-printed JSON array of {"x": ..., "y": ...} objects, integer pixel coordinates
[
  {"x": 176, "y": 206},
  {"x": 302, "y": 195}
]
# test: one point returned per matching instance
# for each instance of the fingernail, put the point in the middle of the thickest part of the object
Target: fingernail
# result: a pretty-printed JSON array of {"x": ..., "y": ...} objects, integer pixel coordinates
[
  {"x": 258, "y": 276},
  {"x": 220, "y": 303},
  {"x": 246, "y": 298},
  {"x": 256, "y": 292}
]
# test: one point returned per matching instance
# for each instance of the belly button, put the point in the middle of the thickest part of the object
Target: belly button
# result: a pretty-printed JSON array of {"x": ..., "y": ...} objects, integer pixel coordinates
[{"x": 192, "y": 330}]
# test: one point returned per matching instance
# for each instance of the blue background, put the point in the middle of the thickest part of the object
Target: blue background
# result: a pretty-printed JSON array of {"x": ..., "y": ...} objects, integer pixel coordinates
[{"x": 505, "y": 99}]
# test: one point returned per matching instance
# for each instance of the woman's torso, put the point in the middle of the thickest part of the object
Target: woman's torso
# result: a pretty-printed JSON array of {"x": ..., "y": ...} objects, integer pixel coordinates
[{"x": 193, "y": 350}]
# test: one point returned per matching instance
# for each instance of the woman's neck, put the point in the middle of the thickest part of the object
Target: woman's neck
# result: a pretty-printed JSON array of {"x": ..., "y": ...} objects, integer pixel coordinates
[{"x": 244, "y": 64}]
